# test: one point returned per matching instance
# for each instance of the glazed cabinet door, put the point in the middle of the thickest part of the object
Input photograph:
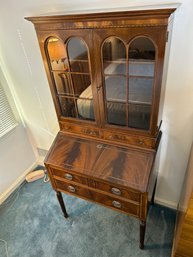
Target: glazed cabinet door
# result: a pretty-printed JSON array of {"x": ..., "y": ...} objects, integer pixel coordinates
[
  {"x": 131, "y": 61},
  {"x": 67, "y": 59}
]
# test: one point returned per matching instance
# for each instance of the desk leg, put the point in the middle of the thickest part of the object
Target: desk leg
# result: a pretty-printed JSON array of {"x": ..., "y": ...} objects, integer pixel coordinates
[
  {"x": 142, "y": 234},
  {"x": 61, "y": 202}
]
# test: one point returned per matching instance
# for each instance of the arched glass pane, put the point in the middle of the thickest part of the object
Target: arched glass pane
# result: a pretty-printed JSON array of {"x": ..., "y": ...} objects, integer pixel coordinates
[
  {"x": 78, "y": 55},
  {"x": 57, "y": 54},
  {"x": 140, "y": 82},
  {"x": 115, "y": 82},
  {"x": 80, "y": 78}
]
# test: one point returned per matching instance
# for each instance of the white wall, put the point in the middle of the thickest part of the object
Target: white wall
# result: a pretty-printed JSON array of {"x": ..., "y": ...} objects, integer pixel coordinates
[
  {"x": 17, "y": 154},
  {"x": 22, "y": 60}
]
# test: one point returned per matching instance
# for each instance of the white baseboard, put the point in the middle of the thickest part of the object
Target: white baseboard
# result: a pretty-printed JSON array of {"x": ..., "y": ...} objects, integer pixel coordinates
[
  {"x": 16, "y": 183},
  {"x": 168, "y": 204},
  {"x": 41, "y": 160}
]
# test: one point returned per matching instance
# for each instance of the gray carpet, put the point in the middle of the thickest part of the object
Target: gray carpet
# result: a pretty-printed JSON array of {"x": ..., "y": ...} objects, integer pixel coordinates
[{"x": 32, "y": 224}]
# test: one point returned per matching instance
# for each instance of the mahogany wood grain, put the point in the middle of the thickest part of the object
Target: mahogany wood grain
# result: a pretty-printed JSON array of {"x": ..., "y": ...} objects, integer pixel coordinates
[
  {"x": 103, "y": 199},
  {"x": 129, "y": 194},
  {"x": 127, "y": 167}
]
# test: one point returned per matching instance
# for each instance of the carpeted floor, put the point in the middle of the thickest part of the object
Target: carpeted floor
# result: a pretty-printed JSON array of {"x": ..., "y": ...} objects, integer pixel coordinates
[{"x": 32, "y": 224}]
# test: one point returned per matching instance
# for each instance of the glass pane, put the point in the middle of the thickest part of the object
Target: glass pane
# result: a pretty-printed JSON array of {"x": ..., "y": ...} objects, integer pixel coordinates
[
  {"x": 115, "y": 88},
  {"x": 115, "y": 82},
  {"x": 114, "y": 56},
  {"x": 85, "y": 109},
  {"x": 80, "y": 84},
  {"x": 78, "y": 55},
  {"x": 141, "y": 68},
  {"x": 142, "y": 48},
  {"x": 139, "y": 116},
  {"x": 67, "y": 106},
  {"x": 63, "y": 84},
  {"x": 114, "y": 68},
  {"x": 140, "y": 90},
  {"x": 116, "y": 113},
  {"x": 113, "y": 50},
  {"x": 141, "y": 79},
  {"x": 57, "y": 54}
]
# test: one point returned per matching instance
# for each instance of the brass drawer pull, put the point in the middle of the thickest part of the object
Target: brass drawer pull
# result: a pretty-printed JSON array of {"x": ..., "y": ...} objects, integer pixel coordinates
[
  {"x": 66, "y": 127},
  {"x": 71, "y": 189},
  {"x": 68, "y": 176},
  {"x": 99, "y": 146},
  {"x": 115, "y": 191},
  {"x": 92, "y": 132},
  {"x": 141, "y": 142},
  {"x": 116, "y": 204}
]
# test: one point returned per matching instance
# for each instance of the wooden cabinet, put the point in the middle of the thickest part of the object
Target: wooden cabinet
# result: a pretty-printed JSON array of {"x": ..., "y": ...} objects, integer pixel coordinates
[{"x": 105, "y": 76}]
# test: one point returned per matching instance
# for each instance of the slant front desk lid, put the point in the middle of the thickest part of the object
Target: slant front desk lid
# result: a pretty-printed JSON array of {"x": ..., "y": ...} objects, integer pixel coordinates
[{"x": 124, "y": 166}]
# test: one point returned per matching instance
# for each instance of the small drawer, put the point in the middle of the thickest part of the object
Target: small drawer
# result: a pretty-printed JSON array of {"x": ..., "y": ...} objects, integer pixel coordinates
[
  {"x": 79, "y": 129},
  {"x": 118, "y": 191},
  {"x": 133, "y": 140},
  {"x": 106, "y": 200},
  {"x": 68, "y": 175}
]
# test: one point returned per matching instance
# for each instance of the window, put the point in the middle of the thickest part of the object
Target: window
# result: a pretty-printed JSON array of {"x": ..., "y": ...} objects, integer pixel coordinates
[{"x": 7, "y": 118}]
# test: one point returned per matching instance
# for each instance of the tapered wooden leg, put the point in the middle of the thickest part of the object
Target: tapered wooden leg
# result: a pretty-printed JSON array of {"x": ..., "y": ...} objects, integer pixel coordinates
[
  {"x": 153, "y": 195},
  {"x": 61, "y": 202},
  {"x": 142, "y": 234}
]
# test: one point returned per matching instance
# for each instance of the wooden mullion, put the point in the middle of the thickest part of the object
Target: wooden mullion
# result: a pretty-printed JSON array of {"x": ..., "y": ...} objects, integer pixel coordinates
[{"x": 127, "y": 87}]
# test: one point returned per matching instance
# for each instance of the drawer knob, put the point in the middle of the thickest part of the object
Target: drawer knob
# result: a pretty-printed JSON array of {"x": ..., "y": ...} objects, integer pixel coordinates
[
  {"x": 115, "y": 191},
  {"x": 116, "y": 204},
  {"x": 66, "y": 127},
  {"x": 68, "y": 176},
  {"x": 71, "y": 189},
  {"x": 99, "y": 146}
]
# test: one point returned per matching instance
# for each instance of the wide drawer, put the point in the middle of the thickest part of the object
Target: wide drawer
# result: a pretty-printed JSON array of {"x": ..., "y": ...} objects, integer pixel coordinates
[
  {"x": 115, "y": 190},
  {"x": 95, "y": 196},
  {"x": 132, "y": 140}
]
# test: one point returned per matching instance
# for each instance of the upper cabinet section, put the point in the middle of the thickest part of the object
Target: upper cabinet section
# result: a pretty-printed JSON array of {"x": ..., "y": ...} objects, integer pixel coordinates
[{"x": 105, "y": 72}]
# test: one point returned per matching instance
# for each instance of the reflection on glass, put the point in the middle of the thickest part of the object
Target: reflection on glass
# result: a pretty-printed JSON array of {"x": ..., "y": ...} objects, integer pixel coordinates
[
  {"x": 114, "y": 50},
  {"x": 114, "y": 65},
  {"x": 57, "y": 54},
  {"x": 142, "y": 48},
  {"x": 115, "y": 88},
  {"x": 139, "y": 116},
  {"x": 141, "y": 68},
  {"x": 85, "y": 109},
  {"x": 67, "y": 106},
  {"x": 140, "y": 90},
  {"x": 141, "y": 78},
  {"x": 116, "y": 113},
  {"x": 63, "y": 84},
  {"x": 78, "y": 56},
  {"x": 80, "y": 83},
  {"x": 114, "y": 56}
]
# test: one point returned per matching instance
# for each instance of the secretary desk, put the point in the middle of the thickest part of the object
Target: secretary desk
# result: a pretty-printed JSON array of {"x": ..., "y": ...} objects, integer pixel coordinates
[{"x": 105, "y": 75}]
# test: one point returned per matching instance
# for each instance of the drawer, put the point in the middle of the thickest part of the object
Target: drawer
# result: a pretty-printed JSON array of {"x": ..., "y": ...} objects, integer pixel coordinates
[
  {"x": 95, "y": 196},
  {"x": 132, "y": 140},
  {"x": 109, "y": 188},
  {"x": 93, "y": 132},
  {"x": 68, "y": 175}
]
